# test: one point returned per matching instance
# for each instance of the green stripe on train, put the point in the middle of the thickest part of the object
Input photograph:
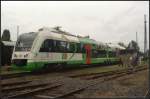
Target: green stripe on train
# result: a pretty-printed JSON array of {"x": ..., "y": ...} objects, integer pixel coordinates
[{"x": 39, "y": 65}]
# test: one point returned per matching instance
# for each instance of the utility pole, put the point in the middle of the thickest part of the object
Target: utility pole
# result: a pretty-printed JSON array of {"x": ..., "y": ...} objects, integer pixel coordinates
[
  {"x": 145, "y": 35},
  {"x": 136, "y": 38},
  {"x": 17, "y": 31}
]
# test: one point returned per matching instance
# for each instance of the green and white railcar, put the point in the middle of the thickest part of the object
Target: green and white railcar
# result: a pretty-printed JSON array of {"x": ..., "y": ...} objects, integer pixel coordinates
[{"x": 49, "y": 47}]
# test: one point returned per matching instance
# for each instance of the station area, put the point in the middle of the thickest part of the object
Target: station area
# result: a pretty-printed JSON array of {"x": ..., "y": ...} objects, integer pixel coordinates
[
  {"x": 62, "y": 69},
  {"x": 52, "y": 50}
]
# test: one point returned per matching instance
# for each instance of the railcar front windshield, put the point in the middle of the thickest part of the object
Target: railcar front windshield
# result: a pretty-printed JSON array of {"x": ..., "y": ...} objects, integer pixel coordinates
[{"x": 25, "y": 41}]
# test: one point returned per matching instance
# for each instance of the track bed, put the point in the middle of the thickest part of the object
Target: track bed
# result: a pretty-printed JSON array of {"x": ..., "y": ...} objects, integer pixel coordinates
[{"x": 63, "y": 84}]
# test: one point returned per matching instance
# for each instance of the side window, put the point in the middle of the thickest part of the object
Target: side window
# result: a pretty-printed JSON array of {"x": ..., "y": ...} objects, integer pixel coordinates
[
  {"x": 62, "y": 46},
  {"x": 68, "y": 47},
  {"x": 113, "y": 54},
  {"x": 44, "y": 47},
  {"x": 79, "y": 48},
  {"x": 94, "y": 53},
  {"x": 47, "y": 46},
  {"x": 71, "y": 47},
  {"x": 82, "y": 48},
  {"x": 55, "y": 47},
  {"x": 101, "y": 53},
  {"x": 59, "y": 46}
]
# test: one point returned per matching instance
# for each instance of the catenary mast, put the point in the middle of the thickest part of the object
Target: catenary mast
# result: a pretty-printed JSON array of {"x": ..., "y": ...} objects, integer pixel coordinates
[{"x": 145, "y": 35}]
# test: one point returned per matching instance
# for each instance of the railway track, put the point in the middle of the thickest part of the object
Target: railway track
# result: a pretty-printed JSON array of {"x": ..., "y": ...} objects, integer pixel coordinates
[
  {"x": 3, "y": 84},
  {"x": 25, "y": 73},
  {"x": 108, "y": 73},
  {"x": 22, "y": 88},
  {"x": 14, "y": 75},
  {"x": 21, "y": 74},
  {"x": 30, "y": 88},
  {"x": 59, "y": 94}
]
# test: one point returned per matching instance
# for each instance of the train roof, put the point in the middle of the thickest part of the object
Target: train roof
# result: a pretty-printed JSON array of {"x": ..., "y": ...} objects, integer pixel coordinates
[
  {"x": 115, "y": 46},
  {"x": 59, "y": 31},
  {"x": 66, "y": 36},
  {"x": 87, "y": 40},
  {"x": 58, "y": 35}
]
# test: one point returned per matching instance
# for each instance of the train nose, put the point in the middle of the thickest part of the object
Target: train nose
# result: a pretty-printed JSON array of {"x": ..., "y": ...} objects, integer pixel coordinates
[{"x": 21, "y": 55}]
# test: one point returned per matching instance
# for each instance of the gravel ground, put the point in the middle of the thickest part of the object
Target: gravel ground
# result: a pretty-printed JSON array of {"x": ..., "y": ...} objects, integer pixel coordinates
[
  {"x": 134, "y": 85},
  {"x": 64, "y": 73},
  {"x": 127, "y": 86}
]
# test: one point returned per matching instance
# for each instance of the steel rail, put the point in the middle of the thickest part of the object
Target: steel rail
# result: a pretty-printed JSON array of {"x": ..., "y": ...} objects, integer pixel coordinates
[
  {"x": 22, "y": 93},
  {"x": 83, "y": 88}
]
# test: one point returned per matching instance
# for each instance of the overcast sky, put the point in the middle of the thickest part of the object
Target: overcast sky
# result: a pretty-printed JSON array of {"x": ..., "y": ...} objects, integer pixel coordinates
[{"x": 106, "y": 21}]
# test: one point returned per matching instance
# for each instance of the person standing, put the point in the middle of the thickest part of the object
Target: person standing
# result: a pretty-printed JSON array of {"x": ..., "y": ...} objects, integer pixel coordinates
[{"x": 134, "y": 61}]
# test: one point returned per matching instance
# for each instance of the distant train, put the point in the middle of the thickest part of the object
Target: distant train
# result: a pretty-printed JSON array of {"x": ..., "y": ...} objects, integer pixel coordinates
[{"x": 51, "y": 47}]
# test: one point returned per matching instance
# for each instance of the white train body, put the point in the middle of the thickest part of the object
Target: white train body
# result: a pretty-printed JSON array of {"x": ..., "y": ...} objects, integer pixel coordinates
[{"x": 34, "y": 55}]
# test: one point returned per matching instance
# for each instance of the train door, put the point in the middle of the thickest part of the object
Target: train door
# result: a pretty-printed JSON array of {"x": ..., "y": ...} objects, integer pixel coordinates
[{"x": 88, "y": 54}]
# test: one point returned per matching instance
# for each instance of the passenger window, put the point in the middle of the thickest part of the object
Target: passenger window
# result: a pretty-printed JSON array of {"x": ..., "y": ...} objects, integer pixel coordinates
[
  {"x": 94, "y": 53},
  {"x": 55, "y": 46},
  {"x": 78, "y": 48},
  {"x": 101, "y": 53},
  {"x": 68, "y": 47},
  {"x": 47, "y": 46},
  {"x": 63, "y": 46},
  {"x": 72, "y": 47},
  {"x": 112, "y": 54},
  {"x": 83, "y": 48},
  {"x": 59, "y": 46}
]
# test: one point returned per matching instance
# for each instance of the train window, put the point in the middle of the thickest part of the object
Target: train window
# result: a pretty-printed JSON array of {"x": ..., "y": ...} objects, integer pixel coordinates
[
  {"x": 67, "y": 47},
  {"x": 44, "y": 46},
  {"x": 112, "y": 54},
  {"x": 101, "y": 53},
  {"x": 59, "y": 46},
  {"x": 94, "y": 53},
  {"x": 71, "y": 47},
  {"x": 54, "y": 46},
  {"x": 25, "y": 41},
  {"x": 62, "y": 46},
  {"x": 47, "y": 46},
  {"x": 79, "y": 48},
  {"x": 82, "y": 48}
]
